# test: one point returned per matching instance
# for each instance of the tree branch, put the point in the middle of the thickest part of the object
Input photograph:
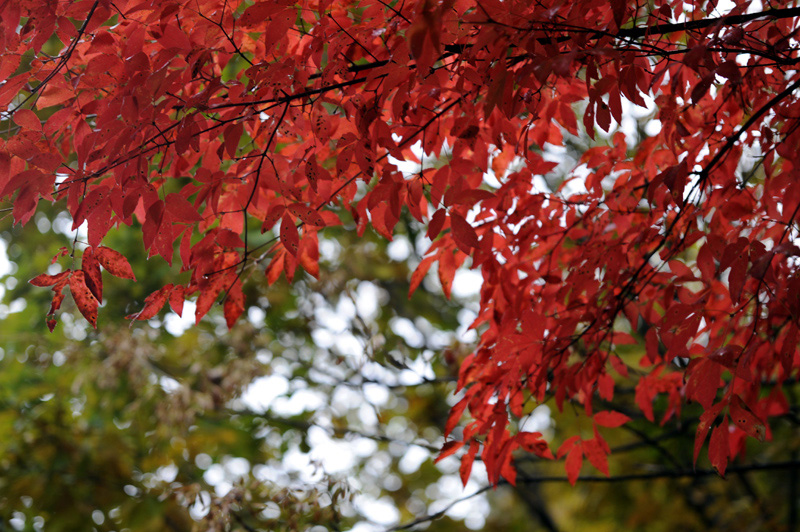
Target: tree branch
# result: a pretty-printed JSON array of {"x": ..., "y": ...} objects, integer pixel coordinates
[
  {"x": 661, "y": 29},
  {"x": 793, "y": 465}
]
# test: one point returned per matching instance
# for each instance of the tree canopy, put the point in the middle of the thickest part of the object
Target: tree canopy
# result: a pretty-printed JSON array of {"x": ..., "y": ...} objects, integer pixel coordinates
[{"x": 632, "y": 270}]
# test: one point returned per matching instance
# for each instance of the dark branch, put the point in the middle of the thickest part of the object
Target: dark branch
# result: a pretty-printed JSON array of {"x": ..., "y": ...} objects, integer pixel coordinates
[{"x": 661, "y": 29}]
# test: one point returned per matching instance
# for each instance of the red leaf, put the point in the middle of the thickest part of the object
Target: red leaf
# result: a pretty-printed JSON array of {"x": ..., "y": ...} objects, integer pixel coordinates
[
  {"x": 619, "y": 8},
  {"x": 718, "y": 447},
  {"x": 788, "y": 349},
  {"x": 436, "y": 224},
  {"x": 466, "y": 462},
  {"x": 596, "y": 455},
  {"x": 701, "y": 88},
  {"x": 611, "y": 419},
  {"x": 703, "y": 381},
  {"x": 232, "y": 135},
  {"x": 152, "y": 304},
  {"x": 228, "y": 239},
  {"x": 605, "y": 386},
  {"x": 313, "y": 174},
  {"x": 534, "y": 443},
  {"x": 705, "y": 261},
  {"x": 706, "y": 420},
  {"x": 448, "y": 449},
  {"x": 55, "y": 304},
  {"x": 91, "y": 269},
  {"x": 736, "y": 279},
  {"x": 27, "y": 119},
  {"x": 209, "y": 291},
  {"x": 234, "y": 303},
  {"x": 174, "y": 38},
  {"x": 455, "y": 416},
  {"x": 83, "y": 297},
  {"x": 307, "y": 214},
  {"x": 463, "y": 233},
  {"x": 447, "y": 271},
  {"x": 507, "y": 468},
  {"x": 289, "y": 235},
  {"x": 272, "y": 217},
  {"x": 275, "y": 267},
  {"x": 644, "y": 398},
  {"x": 48, "y": 280},
  {"x": 651, "y": 345},
  {"x": 181, "y": 210},
  {"x": 62, "y": 251},
  {"x": 567, "y": 445},
  {"x": 289, "y": 267},
  {"x": 114, "y": 263},
  {"x": 176, "y": 299},
  {"x": 744, "y": 418},
  {"x": 573, "y": 463},
  {"x": 308, "y": 256},
  {"x": 419, "y": 274}
]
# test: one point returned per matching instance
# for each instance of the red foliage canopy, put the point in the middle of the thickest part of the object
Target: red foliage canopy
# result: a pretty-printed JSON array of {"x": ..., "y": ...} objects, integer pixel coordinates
[{"x": 192, "y": 120}]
